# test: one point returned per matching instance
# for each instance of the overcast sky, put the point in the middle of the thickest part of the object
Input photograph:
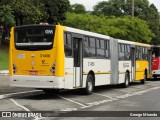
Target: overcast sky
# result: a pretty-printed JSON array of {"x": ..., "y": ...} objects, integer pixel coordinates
[{"x": 90, "y": 3}]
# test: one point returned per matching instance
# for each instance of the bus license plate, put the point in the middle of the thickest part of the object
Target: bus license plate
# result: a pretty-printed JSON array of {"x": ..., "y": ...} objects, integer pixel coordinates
[{"x": 33, "y": 72}]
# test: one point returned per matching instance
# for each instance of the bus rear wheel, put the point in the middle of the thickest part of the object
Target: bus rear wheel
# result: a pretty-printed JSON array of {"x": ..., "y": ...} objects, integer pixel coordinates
[{"x": 89, "y": 85}]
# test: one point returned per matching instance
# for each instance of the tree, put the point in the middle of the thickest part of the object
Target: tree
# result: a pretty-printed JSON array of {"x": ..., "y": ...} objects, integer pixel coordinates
[
  {"x": 6, "y": 20},
  {"x": 122, "y": 27},
  {"x": 56, "y": 10},
  {"x": 29, "y": 11},
  {"x": 6, "y": 16},
  {"x": 34, "y": 11},
  {"x": 78, "y": 8},
  {"x": 110, "y": 8},
  {"x": 118, "y": 8}
]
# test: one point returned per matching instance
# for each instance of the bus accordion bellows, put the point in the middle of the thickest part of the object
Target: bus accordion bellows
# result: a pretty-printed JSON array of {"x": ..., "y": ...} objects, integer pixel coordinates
[{"x": 60, "y": 57}]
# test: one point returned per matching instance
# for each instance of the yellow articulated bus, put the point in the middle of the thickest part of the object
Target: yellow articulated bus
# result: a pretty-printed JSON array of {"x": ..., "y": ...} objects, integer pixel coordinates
[{"x": 60, "y": 57}]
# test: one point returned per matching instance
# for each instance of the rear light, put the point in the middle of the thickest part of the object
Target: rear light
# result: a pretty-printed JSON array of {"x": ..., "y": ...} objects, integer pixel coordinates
[
  {"x": 14, "y": 68},
  {"x": 52, "y": 70}
]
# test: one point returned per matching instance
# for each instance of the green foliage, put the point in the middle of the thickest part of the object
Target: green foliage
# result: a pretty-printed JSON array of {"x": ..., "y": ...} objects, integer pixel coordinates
[
  {"x": 78, "y": 8},
  {"x": 4, "y": 57},
  {"x": 35, "y": 11},
  {"x": 29, "y": 11},
  {"x": 121, "y": 27},
  {"x": 6, "y": 17},
  {"x": 119, "y": 8},
  {"x": 102, "y": 21},
  {"x": 113, "y": 8},
  {"x": 56, "y": 9}
]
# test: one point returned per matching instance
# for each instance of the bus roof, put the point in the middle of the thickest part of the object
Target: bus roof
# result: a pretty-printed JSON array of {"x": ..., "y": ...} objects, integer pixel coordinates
[
  {"x": 142, "y": 44},
  {"x": 69, "y": 29}
]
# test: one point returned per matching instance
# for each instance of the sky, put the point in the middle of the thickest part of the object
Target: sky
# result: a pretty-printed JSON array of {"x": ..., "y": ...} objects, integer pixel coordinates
[{"x": 90, "y": 3}]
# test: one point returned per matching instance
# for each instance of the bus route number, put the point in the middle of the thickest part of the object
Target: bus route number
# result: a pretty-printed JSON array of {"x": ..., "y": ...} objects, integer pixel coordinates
[{"x": 91, "y": 64}]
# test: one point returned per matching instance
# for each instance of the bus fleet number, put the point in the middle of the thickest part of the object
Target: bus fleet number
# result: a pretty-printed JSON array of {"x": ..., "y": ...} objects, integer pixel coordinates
[{"x": 44, "y": 55}]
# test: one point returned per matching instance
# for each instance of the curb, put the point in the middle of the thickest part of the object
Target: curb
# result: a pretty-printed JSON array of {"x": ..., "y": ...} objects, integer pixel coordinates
[{"x": 4, "y": 72}]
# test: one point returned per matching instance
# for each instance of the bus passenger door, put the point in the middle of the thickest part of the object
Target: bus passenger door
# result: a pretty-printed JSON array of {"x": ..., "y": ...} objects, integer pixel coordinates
[
  {"x": 133, "y": 62},
  {"x": 78, "y": 61}
]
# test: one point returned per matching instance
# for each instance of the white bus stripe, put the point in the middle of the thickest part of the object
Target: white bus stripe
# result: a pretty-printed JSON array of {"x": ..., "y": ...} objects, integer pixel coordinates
[{"x": 72, "y": 101}]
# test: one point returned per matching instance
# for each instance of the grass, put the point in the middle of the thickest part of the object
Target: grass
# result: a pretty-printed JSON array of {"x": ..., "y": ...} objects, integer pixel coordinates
[{"x": 4, "y": 57}]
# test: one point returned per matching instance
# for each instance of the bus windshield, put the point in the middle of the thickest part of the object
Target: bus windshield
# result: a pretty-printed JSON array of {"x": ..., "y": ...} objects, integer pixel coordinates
[{"x": 34, "y": 37}]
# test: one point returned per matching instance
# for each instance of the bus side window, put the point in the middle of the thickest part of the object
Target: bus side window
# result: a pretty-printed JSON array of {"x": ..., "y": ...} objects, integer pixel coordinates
[
  {"x": 121, "y": 51},
  {"x": 124, "y": 52},
  {"x": 127, "y": 52},
  {"x": 87, "y": 52},
  {"x": 100, "y": 48},
  {"x": 138, "y": 53},
  {"x": 145, "y": 53},
  {"x": 92, "y": 46},
  {"x": 68, "y": 45},
  {"x": 89, "y": 47}
]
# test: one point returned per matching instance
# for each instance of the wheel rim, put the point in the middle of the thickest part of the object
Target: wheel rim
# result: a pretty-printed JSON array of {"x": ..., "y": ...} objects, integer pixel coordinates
[
  {"x": 90, "y": 86},
  {"x": 127, "y": 82}
]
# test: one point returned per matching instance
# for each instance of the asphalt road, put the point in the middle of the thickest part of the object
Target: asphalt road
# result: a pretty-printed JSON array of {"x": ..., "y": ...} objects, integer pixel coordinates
[
  {"x": 6, "y": 89},
  {"x": 136, "y": 97}
]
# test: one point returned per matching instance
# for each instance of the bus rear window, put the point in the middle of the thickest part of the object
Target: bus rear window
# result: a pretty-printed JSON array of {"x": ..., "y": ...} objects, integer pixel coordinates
[{"x": 35, "y": 37}]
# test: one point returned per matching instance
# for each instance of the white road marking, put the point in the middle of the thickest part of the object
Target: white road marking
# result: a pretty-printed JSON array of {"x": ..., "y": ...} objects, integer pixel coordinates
[
  {"x": 26, "y": 109},
  {"x": 21, "y": 106},
  {"x": 122, "y": 90},
  {"x": 72, "y": 101},
  {"x": 69, "y": 109},
  {"x": 105, "y": 96},
  {"x": 17, "y": 93},
  {"x": 122, "y": 96}
]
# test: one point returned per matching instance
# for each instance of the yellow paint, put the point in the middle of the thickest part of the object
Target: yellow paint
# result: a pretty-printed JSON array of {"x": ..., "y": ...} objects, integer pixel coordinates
[
  {"x": 39, "y": 63},
  {"x": 86, "y": 73},
  {"x": 142, "y": 44},
  {"x": 141, "y": 65},
  {"x": 10, "y": 51},
  {"x": 60, "y": 50}
]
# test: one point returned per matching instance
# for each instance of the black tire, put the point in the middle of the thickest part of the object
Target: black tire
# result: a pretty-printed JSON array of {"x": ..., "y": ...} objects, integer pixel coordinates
[
  {"x": 89, "y": 85},
  {"x": 126, "y": 81},
  {"x": 154, "y": 76},
  {"x": 145, "y": 78}
]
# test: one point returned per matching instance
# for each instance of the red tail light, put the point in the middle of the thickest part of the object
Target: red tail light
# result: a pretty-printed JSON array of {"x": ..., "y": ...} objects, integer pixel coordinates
[
  {"x": 14, "y": 68},
  {"x": 53, "y": 68}
]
